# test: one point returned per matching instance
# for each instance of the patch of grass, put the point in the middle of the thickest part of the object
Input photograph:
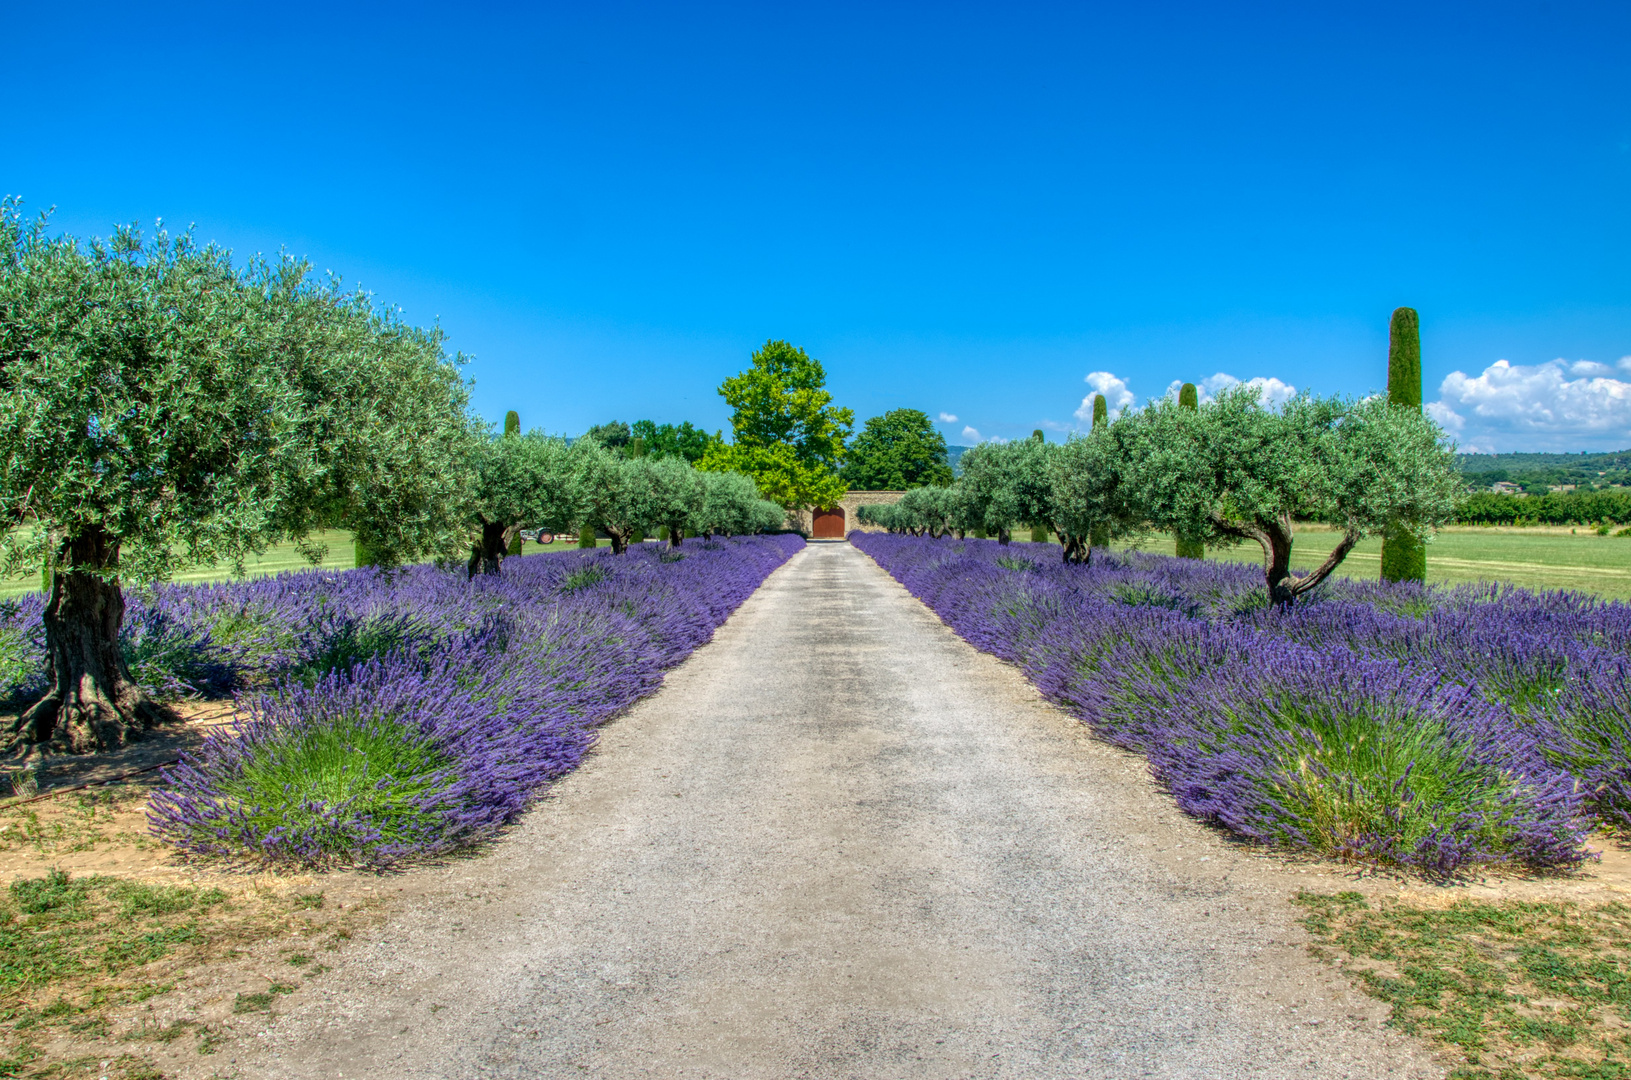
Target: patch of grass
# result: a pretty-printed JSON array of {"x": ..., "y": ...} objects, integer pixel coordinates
[
  {"x": 76, "y": 951},
  {"x": 1519, "y": 989},
  {"x": 582, "y": 579},
  {"x": 261, "y": 1002},
  {"x": 55, "y": 927},
  {"x": 274, "y": 560}
]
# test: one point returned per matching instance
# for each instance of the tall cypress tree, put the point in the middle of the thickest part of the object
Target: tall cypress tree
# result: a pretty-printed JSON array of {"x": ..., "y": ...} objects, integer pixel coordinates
[
  {"x": 1404, "y": 558},
  {"x": 1100, "y": 536},
  {"x": 1188, "y": 547},
  {"x": 512, "y": 426}
]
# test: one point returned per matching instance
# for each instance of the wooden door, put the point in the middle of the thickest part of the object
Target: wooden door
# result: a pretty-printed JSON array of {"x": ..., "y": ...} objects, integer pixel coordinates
[{"x": 828, "y": 524}]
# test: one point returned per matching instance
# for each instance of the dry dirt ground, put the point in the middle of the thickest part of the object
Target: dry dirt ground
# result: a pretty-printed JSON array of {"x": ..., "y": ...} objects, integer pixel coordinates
[{"x": 838, "y": 843}]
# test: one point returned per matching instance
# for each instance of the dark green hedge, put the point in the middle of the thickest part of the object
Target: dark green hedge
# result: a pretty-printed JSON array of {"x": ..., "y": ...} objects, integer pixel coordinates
[{"x": 1557, "y": 508}]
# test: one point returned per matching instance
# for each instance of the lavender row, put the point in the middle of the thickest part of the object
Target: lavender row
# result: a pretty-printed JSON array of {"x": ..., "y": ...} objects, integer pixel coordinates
[
  {"x": 394, "y": 716},
  {"x": 1434, "y": 728}
]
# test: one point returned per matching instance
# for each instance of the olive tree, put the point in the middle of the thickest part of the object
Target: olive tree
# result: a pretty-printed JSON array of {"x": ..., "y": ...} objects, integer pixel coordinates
[
  {"x": 1092, "y": 496},
  {"x": 1234, "y": 470},
  {"x": 1004, "y": 484},
  {"x": 521, "y": 481},
  {"x": 162, "y": 409},
  {"x": 929, "y": 511},
  {"x": 617, "y": 492},
  {"x": 678, "y": 493},
  {"x": 731, "y": 506}
]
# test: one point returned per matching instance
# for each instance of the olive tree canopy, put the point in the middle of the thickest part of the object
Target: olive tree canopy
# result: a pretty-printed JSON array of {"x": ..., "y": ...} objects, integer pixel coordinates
[
  {"x": 521, "y": 482},
  {"x": 678, "y": 493},
  {"x": 161, "y": 409},
  {"x": 1005, "y": 484},
  {"x": 1091, "y": 493},
  {"x": 1234, "y": 470}
]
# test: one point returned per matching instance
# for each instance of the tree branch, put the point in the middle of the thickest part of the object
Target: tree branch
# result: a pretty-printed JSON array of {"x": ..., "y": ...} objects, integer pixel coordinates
[
  {"x": 1245, "y": 532},
  {"x": 1323, "y": 570}
]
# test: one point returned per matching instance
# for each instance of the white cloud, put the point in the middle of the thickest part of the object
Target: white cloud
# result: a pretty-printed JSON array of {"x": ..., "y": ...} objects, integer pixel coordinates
[
  {"x": 948, "y": 418},
  {"x": 971, "y": 434},
  {"x": 1271, "y": 391},
  {"x": 1447, "y": 418},
  {"x": 1116, "y": 395},
  {"x": 1555, "y": 405}
]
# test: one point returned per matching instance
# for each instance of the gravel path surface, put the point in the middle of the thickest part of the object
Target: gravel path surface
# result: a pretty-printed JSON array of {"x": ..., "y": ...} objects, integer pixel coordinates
[{"x": 841, "y": 843}]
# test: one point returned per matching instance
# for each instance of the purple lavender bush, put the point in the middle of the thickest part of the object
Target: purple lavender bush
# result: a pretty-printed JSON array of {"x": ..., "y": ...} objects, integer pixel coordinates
[
  {"x": 401, "y": 715},
  {"x": 1394, "y": 724}
]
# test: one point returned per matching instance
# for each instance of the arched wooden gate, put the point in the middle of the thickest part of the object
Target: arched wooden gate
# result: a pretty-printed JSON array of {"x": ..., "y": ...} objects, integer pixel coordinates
[{"x": 828, "y": 523}]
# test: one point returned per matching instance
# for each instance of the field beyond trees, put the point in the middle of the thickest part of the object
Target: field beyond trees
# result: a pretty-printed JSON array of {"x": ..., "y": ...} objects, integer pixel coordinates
[{"x": 1533, "y": 558}]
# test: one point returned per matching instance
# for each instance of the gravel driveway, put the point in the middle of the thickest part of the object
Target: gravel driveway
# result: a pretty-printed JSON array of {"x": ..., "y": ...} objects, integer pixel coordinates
[{"x": 841, "y": 843}]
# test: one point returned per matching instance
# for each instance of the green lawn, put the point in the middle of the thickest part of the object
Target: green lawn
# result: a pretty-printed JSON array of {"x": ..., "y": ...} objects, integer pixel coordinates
[
  {"x": 1536, "y": 558},
  {"x": 276, "y": 560}
]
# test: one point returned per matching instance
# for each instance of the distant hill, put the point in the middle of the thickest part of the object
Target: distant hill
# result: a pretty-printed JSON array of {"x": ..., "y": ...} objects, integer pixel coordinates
[
  {"x": 954, "y": 455},
  {"x": 1546, "y": 470}
]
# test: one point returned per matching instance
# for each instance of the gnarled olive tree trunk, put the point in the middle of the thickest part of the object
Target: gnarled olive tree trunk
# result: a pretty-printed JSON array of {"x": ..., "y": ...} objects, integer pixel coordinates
[
  {"x": 1274, "y": 537},
  {"x": 1075, "y": 549},
  {"x": 92, "y": 704},
  {"x": 487, "y": 554}
]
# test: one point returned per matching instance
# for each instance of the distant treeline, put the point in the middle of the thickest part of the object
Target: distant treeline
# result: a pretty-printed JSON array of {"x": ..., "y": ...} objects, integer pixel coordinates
[
  {"x": 1537, "y": 472},
  {"x": 1555, "y": 508}
]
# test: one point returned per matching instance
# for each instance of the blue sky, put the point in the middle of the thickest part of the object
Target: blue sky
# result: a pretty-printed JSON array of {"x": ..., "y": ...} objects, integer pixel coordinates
[{"x": 968, "y": 210}]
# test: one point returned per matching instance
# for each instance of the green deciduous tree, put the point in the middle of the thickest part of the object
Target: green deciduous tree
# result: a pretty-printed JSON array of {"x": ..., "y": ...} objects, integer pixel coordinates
[
  {"x": 161, "y": 409},
  {"x": 785, "y": 432},
  {"x": 613, "y": 435},
  {"x": 674, "y": 440},
  {"x": 1234, "y": 470},
  {"x": 896, "y": 451}
]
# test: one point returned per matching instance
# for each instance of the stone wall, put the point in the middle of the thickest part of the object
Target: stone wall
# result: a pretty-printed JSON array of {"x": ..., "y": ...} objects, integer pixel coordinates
[{"x": 852, "y": 501}]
